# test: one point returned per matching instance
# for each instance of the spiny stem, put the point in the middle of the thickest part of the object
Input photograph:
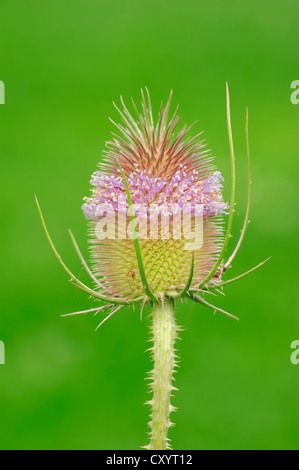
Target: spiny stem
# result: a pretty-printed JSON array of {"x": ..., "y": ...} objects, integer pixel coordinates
[{"x": 164, "y": 333}]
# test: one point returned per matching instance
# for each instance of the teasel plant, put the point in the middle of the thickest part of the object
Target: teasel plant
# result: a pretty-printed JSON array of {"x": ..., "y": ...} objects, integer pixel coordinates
[{"x": 157, "y": 164}]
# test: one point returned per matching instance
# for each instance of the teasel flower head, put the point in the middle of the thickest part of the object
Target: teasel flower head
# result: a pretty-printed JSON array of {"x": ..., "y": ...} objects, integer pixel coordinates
[
  {"x": 155, "y": 216},
  {"x": 169, "y": 175}
]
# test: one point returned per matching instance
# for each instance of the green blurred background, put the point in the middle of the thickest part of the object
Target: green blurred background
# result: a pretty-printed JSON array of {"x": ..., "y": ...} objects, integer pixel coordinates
[{"x": 63, "y": 63}]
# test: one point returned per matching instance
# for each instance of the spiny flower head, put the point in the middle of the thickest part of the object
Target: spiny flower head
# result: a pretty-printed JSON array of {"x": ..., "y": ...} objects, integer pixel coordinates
[
  {"x": 148, "y": 191},
  {"x": 157, "y": 172},
  {"x": 167, "y": 174}
]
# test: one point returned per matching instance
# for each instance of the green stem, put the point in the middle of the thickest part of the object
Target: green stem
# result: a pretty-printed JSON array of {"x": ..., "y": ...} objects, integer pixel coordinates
[{"x": 164, "y": 333}]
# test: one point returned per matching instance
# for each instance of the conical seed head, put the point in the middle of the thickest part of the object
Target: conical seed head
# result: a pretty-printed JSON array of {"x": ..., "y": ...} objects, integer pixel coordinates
[{"x": 176, "y": 195}]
